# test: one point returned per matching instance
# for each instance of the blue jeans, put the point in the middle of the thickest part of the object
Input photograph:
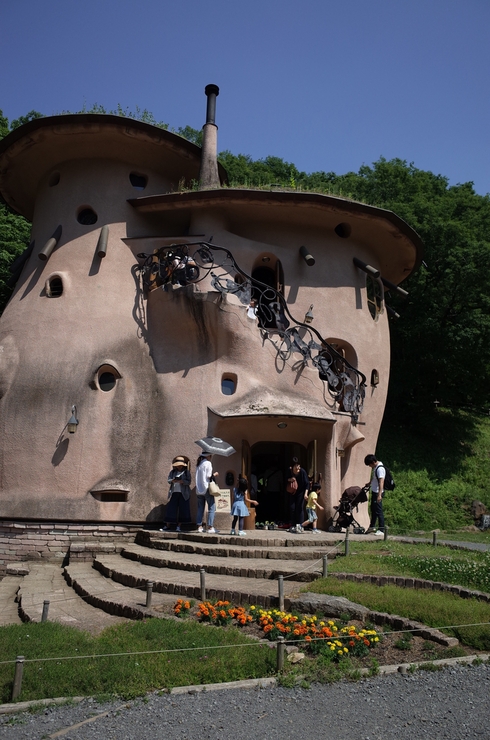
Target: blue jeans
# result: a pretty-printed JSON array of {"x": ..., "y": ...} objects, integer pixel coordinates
[{"x": 201, "y": 503}]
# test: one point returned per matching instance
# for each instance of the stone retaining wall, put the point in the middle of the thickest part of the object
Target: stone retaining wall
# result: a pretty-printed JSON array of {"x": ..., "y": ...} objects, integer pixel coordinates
[
  {"x": 464, "y": 593},
  {"x": 30, "y": 540}
]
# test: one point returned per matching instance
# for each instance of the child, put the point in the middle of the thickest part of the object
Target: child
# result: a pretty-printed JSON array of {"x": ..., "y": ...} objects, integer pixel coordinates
[
  {"x": 311, "y": 506},
  {"x": 238, "y": 510}
]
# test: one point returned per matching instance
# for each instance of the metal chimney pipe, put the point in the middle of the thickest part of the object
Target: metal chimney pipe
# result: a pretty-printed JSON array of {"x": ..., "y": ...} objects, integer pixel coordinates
[
  {"x": 212, "y": 92},
  {"x": 208, "y": 175}
]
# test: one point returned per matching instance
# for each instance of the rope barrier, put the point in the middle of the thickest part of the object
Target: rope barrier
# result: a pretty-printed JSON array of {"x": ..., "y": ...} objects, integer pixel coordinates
[{"x": 225, "y": 647}]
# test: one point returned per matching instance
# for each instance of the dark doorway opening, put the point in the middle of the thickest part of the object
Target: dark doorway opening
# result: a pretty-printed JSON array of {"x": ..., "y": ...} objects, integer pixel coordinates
[{"x": 270, "y": 463}]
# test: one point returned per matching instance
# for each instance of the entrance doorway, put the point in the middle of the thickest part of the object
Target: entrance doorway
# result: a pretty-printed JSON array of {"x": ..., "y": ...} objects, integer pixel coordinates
[{"x": 270, "y": 463}]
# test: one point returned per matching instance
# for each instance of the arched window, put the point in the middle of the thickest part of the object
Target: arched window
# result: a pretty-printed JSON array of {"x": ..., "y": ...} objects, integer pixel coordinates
[
  {"x": 54, "y": 286},
  {"x": 267, "y": 283},
  {"x": 375, "y": 296}
]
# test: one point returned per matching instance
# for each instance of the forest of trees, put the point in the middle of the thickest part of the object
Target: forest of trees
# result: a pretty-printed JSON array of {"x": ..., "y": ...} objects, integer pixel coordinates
[{"x": 444, "y": 325}]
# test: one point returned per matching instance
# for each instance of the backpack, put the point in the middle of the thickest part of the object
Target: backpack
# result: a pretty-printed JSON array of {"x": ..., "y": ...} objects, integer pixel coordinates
[{"x": 389, "y": 482}]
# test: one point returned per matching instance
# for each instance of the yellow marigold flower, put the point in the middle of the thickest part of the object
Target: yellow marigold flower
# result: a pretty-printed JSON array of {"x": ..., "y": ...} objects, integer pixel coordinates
[{"x": 345, "y": 650}]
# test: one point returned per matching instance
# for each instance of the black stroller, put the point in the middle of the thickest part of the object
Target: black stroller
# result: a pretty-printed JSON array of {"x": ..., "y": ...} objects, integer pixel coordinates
[{"x": 343, "y": 517}]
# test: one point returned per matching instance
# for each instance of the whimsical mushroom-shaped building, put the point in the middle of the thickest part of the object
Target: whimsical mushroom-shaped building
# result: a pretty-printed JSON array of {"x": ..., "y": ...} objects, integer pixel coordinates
[{"x": 150, "y": 314}]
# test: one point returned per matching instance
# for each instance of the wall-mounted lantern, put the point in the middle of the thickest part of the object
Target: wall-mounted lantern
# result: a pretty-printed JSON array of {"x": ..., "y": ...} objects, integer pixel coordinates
[
  {"x": 73, "y": 421},
  {"x": 309, "y": 315}
]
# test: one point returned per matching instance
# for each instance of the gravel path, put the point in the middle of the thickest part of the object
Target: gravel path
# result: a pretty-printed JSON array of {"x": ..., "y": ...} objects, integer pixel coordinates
[{"x": 448, "y": 705}]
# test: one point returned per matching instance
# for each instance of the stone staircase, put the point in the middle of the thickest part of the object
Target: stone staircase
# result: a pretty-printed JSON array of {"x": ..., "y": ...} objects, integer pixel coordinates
[{"x": 114, "y": 579}]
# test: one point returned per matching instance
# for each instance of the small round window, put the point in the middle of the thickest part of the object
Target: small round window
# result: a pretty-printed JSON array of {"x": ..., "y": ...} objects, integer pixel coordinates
[
  {"x": 87, "y": 217},
  {"x": 343, "y": 230},
  {"x": 54, "y": 286},
  {"x": 107, "y": 377},
  {"x": 139, "y": 182},
  {"x": 228, "y": 385}
]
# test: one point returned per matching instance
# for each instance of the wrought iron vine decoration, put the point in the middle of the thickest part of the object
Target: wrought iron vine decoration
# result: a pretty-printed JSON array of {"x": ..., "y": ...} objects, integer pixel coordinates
[{"x": 176, "y": 265}]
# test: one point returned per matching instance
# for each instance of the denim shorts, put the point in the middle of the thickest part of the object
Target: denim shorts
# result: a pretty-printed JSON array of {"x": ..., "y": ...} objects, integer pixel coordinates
[{"x": 312, "y": 517}]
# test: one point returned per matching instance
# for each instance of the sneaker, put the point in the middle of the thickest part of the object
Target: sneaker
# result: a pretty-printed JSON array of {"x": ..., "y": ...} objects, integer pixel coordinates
[
  {"x": 233, "y": 531},
  {"x": 299, "y": 529},
  {"x": 211, "y": 530},
  {"x": 316, "y": 531},
  {"x": 241, "y": 533},
  {"x": 369, "y": 530},
  {"x": 379, "y": 533},
  {"x": 200, "y": 529},
  {"x": 163, "y": 529},
  {"x": 178, "y": 529},
  {"x": 292, "y": 530}
]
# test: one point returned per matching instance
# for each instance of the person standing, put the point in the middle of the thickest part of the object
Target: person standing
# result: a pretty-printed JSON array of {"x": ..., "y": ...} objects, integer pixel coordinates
[
  {"x": 377, "y": 482},
  {"x": 239, "y": 509},
  {"x": 311, "y": 506},
  {"x": 178, "y": 506},
  {"x": 299, "y": 496},
  {"x": 204, "y": 476}
]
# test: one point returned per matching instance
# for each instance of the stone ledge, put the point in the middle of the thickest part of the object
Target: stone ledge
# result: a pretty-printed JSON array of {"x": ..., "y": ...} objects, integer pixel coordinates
[
  {"x": 337, "y": 606},
  {"x": 420, "y": 583}
]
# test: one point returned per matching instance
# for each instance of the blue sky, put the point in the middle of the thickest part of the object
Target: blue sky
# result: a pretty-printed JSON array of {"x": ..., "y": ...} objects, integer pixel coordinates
[{"x": 326, "y": 84}]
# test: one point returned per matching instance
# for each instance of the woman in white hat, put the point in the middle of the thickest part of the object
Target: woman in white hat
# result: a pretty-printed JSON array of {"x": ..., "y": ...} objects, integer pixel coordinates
[
  {"x": 204, "y": 475},
  {"x": 178, "y": 506}
]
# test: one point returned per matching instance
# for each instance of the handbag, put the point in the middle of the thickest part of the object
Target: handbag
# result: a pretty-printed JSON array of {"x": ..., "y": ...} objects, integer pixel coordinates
[
  {"x": 292, "y": 485},
  {"x": 213, "y": 488}
]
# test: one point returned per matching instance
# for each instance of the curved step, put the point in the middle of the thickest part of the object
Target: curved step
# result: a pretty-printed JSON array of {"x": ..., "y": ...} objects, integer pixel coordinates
[
  {"x": 301, "y": 570},
  {"x": 128, "y": 590},
  {"x": 45, "y": 581},
  {"x": 9, "y": 608},
  {"x": 232, "y": 546}
]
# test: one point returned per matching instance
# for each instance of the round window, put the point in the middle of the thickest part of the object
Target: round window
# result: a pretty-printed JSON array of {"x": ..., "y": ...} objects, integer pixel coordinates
[
  {"x": 87, "y": 217},
  {"x": 107, "y": 381}
]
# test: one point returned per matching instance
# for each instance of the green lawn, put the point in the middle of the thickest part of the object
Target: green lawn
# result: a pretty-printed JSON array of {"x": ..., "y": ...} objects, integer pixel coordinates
[{"x": 197, "y": 654}]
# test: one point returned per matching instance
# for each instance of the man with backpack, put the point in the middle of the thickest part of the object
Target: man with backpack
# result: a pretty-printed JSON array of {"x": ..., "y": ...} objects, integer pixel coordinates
[{"x": 379, "y": 477}]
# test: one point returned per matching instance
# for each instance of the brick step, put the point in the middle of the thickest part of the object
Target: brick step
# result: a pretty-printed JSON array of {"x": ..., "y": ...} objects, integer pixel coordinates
[
  {"x": 263, "y": 539},
  {"x": 45, "y": 581},
  {"x": 237, "y": 589},
  {"x": 239, "y": 547},
  {"x": 307, "y": 570}
]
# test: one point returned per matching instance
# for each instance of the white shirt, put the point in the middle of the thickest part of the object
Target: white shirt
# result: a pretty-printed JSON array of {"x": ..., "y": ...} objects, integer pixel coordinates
[
  {"x": 204, "y": 472},
  {"x": 378, "y": 472}
]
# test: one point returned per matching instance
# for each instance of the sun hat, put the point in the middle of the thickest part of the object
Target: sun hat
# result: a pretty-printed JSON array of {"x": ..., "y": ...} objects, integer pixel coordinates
[{"x": 179, "y": 461}]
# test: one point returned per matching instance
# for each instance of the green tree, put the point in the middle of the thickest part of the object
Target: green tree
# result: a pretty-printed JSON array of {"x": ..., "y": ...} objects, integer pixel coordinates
[{"x": 14, "y": 229}]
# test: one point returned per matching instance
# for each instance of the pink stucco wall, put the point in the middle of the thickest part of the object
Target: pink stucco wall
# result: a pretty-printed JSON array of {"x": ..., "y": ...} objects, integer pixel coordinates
[{"x": 171, "y": 349}]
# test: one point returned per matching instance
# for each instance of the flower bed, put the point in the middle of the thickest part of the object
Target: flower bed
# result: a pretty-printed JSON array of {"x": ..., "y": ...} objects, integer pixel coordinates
[{"x": 333, "y": 640}]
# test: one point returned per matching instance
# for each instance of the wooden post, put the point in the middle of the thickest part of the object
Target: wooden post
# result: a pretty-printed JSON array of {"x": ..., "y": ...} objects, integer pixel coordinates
[
  {"x": 280, "y": 583},
  {"x": 325, "y": 566},
  {"x": 434, "y": 538},
  {"x": 149, "y": 591},
  {"x": 19, "y": 670},
  {"x": 386, "y": 534},
  {"x": 347, "y": 541},
  {"x": 44, "y": 617},
  {"x": 202, "y": 574},
  {"x": 280, "y": 653}
]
